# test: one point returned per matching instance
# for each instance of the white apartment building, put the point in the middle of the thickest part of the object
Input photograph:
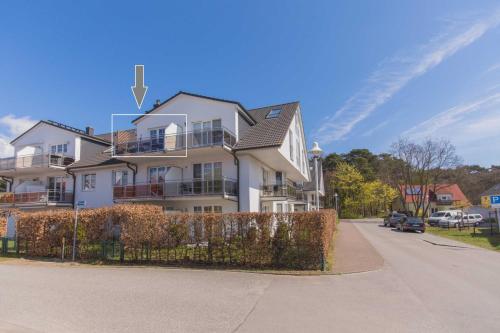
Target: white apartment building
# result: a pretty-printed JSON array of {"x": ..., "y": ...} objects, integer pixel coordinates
[{"x": 210, "y": 155}]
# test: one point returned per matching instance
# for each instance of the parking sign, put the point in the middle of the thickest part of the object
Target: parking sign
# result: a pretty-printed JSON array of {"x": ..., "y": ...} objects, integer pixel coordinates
[{"x": 495, "y": 201}]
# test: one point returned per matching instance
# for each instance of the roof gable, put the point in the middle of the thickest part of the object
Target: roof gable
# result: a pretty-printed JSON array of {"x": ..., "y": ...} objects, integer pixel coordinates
[
  {"x": 241, "y": 109},
  {"x": 65, "y": 128}
]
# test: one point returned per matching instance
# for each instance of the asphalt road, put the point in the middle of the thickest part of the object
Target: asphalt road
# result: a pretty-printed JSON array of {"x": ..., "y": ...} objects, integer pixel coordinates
[{"x": 421, "y": 288}]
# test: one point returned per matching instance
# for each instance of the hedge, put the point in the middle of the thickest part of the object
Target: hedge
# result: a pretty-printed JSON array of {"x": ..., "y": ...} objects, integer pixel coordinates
[{"x": 139, "y": 233}]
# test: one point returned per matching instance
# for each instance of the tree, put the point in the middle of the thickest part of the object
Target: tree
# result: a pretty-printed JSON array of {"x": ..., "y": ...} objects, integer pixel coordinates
[
  {"x": 422, "y": 169},
  {"x": 347, "y": 181}
]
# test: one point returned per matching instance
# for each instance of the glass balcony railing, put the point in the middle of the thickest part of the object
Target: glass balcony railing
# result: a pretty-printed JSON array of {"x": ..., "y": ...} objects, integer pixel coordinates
[
  {"x": 177, "y": 188},
  {"x": 35, "y": 161},
  {"x": 287, "y": 191},
  {"x": 40, "y": 197},
  {"x": 176, "y": 142}
]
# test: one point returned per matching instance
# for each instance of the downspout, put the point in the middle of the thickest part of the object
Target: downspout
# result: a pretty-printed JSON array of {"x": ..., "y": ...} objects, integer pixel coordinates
[
  {"x": 132, "y": 167},
  {"x": 237, "y": 178},
  {"x": 69, "y": 172}
]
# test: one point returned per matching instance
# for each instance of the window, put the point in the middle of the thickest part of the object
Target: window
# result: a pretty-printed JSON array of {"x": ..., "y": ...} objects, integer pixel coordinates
[
  {"x": 88, "y": 182},
  {"x": 279, "y": 178},
  {"x": 279, "y": 208},
  {"x": 157, "y": 139},
  {"x": 157, "y": 174},
  {"x": 274, "y": 113},
  {"x": 290, "y": 134},
  {"x": 120, "y": 178},
  {"x": 217, "y": 209},
  {"x": 265, "y": 177},
  {"x": 59, "y": 149},
  {"x": 197, "y": 209}
]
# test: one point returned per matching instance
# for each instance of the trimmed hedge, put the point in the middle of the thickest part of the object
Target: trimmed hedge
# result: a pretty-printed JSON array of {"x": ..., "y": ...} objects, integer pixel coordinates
[{"x": 139, "y": 233}]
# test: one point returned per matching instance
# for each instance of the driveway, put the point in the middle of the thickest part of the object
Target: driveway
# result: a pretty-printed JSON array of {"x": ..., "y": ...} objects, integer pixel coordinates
[{"x": 420, "y": 288}]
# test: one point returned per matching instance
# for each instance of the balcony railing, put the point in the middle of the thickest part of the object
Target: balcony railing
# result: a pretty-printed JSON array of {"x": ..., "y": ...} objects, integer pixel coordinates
[
  {"x": 177, "y": 188},
  {"x": 34, "y": 161},
  {"x": 41, "y": 197},
  {"x": 178, "y": 141},
  {"x": 287, "y": 191}
]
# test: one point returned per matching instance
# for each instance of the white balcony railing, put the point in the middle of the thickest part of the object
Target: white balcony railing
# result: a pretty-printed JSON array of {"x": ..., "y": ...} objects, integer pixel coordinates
[
  {"x": 177, "y": 188},
  {"x": 178, "y": 141},
  {"x": 35, "y": 161}
]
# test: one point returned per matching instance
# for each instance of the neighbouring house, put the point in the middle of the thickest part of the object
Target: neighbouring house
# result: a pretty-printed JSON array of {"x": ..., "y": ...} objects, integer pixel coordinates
[
  {"x": 217, "y": 156},
  {"x": 485, "y": 196},
  {"x": 439, "y": 197}
]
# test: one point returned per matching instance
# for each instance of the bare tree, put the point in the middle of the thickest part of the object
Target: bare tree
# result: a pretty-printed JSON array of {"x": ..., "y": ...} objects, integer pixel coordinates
[{"x": 422, "y": 169}]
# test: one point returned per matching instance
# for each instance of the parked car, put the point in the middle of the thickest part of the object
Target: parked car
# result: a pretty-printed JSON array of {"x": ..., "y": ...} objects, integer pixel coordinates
[
  {"x": 450, "y": 222},
  {"x": 473, "y": 219},
  {"x": 411, "y": 223},
  {"x": 393, "y": 219},
  {"x": 442, "y": 216}
]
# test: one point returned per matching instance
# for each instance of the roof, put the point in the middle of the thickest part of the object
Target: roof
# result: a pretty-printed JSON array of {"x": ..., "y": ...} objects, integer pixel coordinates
[
  {"x": 103, "y": 158},
  {"x": 494, "y": 190},
  {"x": 80, "y": 132},
  {"x": 452, "y": 189},
  {"x": 243, "y": 112},
  {"x": 120, "y": 136},
  {"x": 268, "y": 132}
]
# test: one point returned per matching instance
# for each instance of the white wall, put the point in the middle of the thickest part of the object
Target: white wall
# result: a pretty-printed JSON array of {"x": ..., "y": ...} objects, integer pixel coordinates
[
  {"x": 197, "y": 109},
  {"x": 297, "y": 130},
  {"x": 250, "y": 181},
  {"x": 44, "y": 136},
  {"x": 103, "y": 193}
]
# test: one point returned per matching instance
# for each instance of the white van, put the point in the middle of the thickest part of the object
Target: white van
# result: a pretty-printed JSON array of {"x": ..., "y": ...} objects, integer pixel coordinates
[{"x": 443, "y": 215}]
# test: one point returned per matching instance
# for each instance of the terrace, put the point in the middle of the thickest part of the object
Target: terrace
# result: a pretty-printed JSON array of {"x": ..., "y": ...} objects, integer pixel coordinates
[
  {"x": 40, "y": 198},
  {"x": 177, "y": 142},
  {"x": 34, "y": 161},
  {"x": 224, "y": 187}
]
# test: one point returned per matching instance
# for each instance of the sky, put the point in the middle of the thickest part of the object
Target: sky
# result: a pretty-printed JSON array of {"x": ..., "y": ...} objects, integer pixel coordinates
[{"x": 365, "y": 72}]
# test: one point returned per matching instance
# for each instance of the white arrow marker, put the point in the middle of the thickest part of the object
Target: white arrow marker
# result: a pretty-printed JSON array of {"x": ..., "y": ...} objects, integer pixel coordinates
[{"x": 139, "y": 89}]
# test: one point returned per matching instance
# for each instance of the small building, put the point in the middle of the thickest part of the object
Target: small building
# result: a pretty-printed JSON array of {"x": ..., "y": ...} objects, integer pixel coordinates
[{"x": 439, "y": 197}]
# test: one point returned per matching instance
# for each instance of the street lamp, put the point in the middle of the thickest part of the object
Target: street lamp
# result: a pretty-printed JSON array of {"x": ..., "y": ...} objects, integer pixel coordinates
[
  {"x": 336, "y": 202},
  {"x": 316, "y": 152}
]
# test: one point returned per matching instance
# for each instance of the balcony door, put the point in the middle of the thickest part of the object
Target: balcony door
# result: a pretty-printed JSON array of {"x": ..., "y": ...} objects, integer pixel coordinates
[
  {"x": 157, "y": 180},
  {"x": 207, "y": 177},
  {"x": 56, "y": 188},
  {"x": 207, "y": 132},
  {"x": 157, "y": 139}
]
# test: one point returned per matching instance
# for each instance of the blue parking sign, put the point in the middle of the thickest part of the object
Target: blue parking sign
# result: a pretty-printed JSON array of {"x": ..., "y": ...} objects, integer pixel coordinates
[{"x": 495, "y": 200}]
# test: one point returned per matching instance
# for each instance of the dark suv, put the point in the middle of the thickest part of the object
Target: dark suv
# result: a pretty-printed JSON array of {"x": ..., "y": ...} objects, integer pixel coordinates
[{"x": 393, "y": 219}]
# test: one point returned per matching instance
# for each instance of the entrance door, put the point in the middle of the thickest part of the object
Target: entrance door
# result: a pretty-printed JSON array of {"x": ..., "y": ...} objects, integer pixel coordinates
[{"x": 56, "y": 188}]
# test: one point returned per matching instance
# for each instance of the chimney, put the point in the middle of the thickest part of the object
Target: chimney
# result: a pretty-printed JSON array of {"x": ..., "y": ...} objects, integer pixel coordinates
[
  {"x": 157, "y": 103},
  {"x": 89, "y": 130}
]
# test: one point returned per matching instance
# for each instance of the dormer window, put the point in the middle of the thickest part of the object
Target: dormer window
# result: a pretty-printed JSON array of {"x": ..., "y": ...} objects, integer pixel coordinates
[{"x": 274, "y": 113}]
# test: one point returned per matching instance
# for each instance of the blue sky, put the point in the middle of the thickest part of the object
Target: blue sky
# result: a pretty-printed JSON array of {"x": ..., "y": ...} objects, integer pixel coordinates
[{"x": 366, "y": 72}]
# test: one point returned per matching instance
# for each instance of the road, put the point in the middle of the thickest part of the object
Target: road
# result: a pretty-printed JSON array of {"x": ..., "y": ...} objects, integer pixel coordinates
[{"x": 420, "y": 288}]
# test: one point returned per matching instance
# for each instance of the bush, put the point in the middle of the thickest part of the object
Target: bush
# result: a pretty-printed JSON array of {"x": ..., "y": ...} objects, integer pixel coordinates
[{"x": 145, "y": 233}]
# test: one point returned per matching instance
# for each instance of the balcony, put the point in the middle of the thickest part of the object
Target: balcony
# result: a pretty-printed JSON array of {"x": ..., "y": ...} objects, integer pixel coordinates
[
  {"x": 176, "y": 189},
  {"x": 177, "y": 142},
  {"x": 34, "y": 161},
  {"x": 282, "y": 191},
  {"x": 42, "y": 198}
]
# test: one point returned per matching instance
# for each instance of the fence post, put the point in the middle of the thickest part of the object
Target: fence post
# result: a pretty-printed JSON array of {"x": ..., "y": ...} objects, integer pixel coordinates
[
  {"x": 122, "y": 252},
  {"x": 5, "y": 244}
]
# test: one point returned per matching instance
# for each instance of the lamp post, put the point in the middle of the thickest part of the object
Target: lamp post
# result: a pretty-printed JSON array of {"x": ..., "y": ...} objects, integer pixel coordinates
[
  {"x": 336, "y": 202},
  {"x": 316, "y": 152}
]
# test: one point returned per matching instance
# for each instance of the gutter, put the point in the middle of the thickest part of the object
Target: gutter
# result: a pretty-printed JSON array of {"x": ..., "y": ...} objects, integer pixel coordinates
[
  {"x": 69, "y": 172},
  {"x": 237, "y": 178},
  {"x": 132, "y": 167}
]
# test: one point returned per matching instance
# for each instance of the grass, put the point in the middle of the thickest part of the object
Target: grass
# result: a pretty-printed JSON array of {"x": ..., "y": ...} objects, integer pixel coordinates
[{"x": 482, "y": 237}]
